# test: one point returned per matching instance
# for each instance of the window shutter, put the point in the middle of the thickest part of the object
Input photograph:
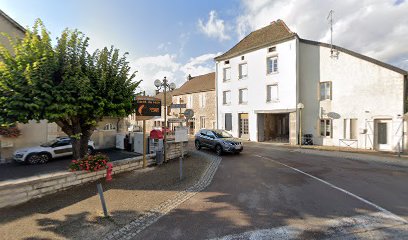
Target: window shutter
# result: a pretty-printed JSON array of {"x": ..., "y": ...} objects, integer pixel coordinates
[{"x": 228, "y": 121}]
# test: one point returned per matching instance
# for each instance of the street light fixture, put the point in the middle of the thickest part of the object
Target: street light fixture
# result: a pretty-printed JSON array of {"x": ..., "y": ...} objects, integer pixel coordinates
[
  {"x": 300, "y": 106},
  {"x": 166, "y": 87}
]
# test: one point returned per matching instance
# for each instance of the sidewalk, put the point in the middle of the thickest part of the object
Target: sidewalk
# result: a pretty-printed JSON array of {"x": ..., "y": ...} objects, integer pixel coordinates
[
  {"x": 347, "y": 153},
  {"x": 77, "y": 213}
]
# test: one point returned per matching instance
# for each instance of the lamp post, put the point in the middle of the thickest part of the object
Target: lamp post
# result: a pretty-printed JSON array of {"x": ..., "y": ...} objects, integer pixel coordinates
[
  {"x": 300, "y": 106},
  {"x": 165, "y": 85}
]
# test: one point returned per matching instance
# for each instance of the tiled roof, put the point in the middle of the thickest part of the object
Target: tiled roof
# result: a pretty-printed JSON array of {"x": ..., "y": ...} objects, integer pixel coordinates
[
  {"x": 355, "y": 54},
  {"x": 274, "y": 33},
  {"x": 202, "y": 83}
]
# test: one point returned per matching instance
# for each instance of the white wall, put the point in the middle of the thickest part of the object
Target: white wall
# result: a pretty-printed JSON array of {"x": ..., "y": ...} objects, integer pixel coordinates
[
  {"x": 360, "y": 89},
  {"x": 256, "y": 83}
]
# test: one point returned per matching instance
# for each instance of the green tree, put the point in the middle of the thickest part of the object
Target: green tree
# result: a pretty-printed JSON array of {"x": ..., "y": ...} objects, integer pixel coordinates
[{"x": 64, "y": 84}]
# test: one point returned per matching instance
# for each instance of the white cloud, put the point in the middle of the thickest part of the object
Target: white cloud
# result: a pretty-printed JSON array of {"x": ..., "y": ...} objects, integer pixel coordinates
[
  {"x": 378, "y": 28},
  {"x": 157, "y": 67},
  {"x": 214, "y": 27}
]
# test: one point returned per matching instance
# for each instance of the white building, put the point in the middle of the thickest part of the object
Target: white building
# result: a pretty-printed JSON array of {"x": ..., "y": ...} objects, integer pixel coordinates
[{"x": 349, "y": 99}]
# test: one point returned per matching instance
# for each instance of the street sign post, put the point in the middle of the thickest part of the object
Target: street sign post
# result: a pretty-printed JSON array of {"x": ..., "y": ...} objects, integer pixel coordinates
[
  {"x": 146, "y": 108},
  {"x": 180, "y": 105}
]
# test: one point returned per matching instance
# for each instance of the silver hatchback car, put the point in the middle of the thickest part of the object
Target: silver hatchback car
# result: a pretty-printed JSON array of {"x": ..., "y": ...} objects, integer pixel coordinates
[{"x": 219, "y": 140}]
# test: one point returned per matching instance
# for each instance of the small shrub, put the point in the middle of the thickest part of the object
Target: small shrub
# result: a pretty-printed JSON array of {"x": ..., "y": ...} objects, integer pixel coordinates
[
  {"x": 10, "y": 132},
  {"x": 90, "y": 163}
]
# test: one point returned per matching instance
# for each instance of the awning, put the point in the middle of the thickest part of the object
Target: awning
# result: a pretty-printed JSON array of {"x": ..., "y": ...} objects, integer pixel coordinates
[{"x": 277, "y": 111}]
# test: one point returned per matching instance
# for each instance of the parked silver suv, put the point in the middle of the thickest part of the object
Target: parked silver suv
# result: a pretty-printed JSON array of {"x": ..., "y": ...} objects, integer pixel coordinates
[{"x": 219, "y": 140}]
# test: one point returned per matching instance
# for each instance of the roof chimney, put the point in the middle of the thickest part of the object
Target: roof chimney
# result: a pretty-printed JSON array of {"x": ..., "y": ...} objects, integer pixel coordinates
[{"x": 189, "y": 77}]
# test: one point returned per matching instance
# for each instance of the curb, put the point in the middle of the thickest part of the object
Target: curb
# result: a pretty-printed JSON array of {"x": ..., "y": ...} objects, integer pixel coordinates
[{"x": 133, "y": 228}]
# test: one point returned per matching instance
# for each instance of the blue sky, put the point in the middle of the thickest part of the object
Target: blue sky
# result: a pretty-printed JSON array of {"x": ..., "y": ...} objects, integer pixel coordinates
[{"x": 178, "y": 37}]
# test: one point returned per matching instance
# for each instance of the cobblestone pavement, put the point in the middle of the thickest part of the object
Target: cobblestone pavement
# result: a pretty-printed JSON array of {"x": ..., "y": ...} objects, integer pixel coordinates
[{"x": 135, "y": 227}]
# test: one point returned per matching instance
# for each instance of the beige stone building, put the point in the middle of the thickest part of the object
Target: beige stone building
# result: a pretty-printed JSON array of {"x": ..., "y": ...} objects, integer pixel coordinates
[{"x": 198, "y": 93}]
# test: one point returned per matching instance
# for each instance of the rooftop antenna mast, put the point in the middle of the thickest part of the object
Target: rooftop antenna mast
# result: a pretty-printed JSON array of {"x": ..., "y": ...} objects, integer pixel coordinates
[{"x": 333, "y": 52}]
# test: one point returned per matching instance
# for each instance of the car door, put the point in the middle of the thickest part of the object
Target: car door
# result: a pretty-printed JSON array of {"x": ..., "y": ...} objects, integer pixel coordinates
[
  {"x": 62, "y": 148},
  {"x": 211, "y": 139},
  {"x": 204, "y": 138}
]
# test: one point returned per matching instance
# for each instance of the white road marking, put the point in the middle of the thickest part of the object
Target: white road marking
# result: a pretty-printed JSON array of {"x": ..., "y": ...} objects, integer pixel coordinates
[
  {"x": 371, "y": 226},
  {"x": 396, "y": 217}
]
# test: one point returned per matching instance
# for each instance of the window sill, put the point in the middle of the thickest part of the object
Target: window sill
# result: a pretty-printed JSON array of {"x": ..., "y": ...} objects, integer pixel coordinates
[
  {"x": 226, "y": 80},
  {"x": 272, "y": 73},
  {"x": 226, "y": 104},
  {"x": 325, "y": 100},
  {"x": 243, "y": 77},
  {"x": 243, "y": 103},
  {"x": 273, "y": 101}
]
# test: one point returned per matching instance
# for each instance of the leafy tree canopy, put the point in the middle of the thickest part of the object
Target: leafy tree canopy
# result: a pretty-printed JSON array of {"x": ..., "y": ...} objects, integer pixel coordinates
[{"x": 64, "y": 83}]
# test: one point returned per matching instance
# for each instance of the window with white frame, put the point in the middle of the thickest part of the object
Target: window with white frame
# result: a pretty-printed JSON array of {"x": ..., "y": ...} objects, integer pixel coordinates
[
  {"x": 325, "y": 90},
  {"x": 243, "y": 95},
  {"x": 272, "y": 93},
  {"x": 326, "y": 127},
  {"x": 202, "y": 99},
  {"x": 189, "y": 101},
  {"x": 243, "y": 70},
  {"x": 272, "y": 64},
  {"x": 226, "y": 97},
  {"x": 227, "y": 74},
  {"x": 202, "y": 122},
  {"x": 350, "y": 130}
]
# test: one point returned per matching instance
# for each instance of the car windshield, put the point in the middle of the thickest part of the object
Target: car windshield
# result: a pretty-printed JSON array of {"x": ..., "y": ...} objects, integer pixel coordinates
[
  {"x": 49, "y": 144},
  {"x": 221, "y": 134}
]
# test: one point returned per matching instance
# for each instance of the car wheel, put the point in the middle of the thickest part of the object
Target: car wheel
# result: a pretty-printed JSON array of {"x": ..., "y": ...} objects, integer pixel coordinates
[
  {"x": 218, "y": 150},
  {"x": 32, "y": 159},
  {"x": 43, "y": 158},
  {"x": 197, "y": 145},
  {"x": 37, "y": 158},
  {"x": 90, "y": 151}
]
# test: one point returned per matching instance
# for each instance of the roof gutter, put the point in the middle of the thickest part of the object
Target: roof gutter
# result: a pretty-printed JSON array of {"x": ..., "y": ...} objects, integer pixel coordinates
[{"x": 222, "y": 57}]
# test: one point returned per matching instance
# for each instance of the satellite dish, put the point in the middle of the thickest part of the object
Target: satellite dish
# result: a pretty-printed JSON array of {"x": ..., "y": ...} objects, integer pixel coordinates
[
  {"x": 189, "y": 113},
  {"x": 333, "y": 115}
]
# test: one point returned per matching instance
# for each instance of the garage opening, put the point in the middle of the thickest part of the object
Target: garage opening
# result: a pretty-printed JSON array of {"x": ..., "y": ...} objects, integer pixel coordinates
[{"x": 273, "y": 127}]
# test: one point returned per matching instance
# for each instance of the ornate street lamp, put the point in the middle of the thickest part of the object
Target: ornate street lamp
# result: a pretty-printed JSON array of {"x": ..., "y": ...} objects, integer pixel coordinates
[{"x": 166, "y": 87}]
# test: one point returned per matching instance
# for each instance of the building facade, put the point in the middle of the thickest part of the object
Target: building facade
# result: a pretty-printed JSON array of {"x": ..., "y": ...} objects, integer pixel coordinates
[
  {"x": 349, "y": 99},
  {"x": 198, "y": 93}
]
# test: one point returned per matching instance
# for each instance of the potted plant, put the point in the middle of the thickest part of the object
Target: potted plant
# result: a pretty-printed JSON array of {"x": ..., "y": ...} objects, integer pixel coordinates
[{"x": 9, "y": 132}]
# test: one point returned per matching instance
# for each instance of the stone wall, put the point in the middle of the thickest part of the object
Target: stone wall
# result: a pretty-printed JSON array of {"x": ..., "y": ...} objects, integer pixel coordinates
[
  {"x": 23, "y": 190},
  {"x": 174, "y": 149}
]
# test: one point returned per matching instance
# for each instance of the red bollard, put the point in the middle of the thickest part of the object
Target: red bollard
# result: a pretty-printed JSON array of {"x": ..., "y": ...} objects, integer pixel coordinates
[{"x": 109, "y": 172}]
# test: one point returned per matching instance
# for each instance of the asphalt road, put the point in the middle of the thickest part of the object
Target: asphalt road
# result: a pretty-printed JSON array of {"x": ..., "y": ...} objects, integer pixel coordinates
[
  {"x": 267, "y": 193},
  {"x": 16, "y": 170}
]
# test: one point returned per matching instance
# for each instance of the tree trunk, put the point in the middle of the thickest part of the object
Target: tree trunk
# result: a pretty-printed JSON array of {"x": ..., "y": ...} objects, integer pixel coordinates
[
  {"x": 79, "y": 133},
  {"x": 76, "y": 148},
  {"x": 86, "y": 135}
]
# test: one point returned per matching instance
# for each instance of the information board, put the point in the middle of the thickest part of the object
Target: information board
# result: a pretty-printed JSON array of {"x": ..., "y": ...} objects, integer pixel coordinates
[
  {"x": 147, "y": 106},
  {"x": 181, "y": 134}
]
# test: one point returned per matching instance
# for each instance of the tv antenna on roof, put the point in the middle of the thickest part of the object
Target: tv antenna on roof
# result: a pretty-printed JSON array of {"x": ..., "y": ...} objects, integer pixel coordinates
[{"x": 333, "y": 52}]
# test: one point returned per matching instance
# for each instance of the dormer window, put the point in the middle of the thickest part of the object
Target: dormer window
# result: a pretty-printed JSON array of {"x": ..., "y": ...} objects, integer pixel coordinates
[
  {"x": 242, "y": 58},
  {"x": 271, "y": 49},
  {"x": 226, "y": 62}
]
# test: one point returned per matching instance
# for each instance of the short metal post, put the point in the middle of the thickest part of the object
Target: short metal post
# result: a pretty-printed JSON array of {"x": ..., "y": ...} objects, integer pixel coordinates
[
  {"x": 181, "y": 161},
  {"x": 100, "y": 191}
]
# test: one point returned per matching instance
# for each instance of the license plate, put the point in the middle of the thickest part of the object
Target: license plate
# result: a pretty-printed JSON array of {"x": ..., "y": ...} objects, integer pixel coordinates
[{"x": 238, "y": 147}]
